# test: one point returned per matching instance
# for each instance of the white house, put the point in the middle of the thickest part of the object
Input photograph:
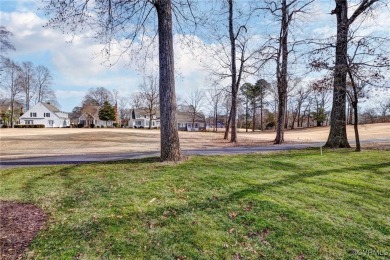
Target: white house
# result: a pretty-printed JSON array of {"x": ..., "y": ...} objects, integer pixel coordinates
[
  {"x": 186, "y": 122},
  {"x": 140, "y": 119},
  {"x": 45, "y": 114},
  {"x": 90, "y": 116}
]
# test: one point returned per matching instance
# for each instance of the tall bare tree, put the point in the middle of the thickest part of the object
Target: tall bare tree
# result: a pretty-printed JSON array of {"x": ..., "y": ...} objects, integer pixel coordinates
[
  {"x": 233, "y": 51},
  {"x": 124, "y": 110},
  {"x": 43, "y": 81},
  {"x": 344, "y": 45},
  {"x": 214, "y": 96},
  {"x": 150, "y": 97},
  {"x": 302, "y": 93},
  {"x": 366, "y": 66},
  {"x": 338, "y": 133},
  {"x": 384, "y": 107},
  {"x": 195, "y": 102},
  {"x": 122, "y": 25},
  {"x": 28, "y": 82},
  {"x": 286, "y": 12},
  {"x": 321, "y": 92},
  {"x": 11, "y": 83}
]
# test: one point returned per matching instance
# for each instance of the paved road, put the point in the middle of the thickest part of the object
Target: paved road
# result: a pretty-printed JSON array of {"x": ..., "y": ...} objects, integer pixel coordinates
[{"x": 89, "y": 158}]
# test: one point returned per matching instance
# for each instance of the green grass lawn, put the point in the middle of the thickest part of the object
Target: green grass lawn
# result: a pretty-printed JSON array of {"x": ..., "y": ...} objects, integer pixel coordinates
[{"x": 293, "y": 205}]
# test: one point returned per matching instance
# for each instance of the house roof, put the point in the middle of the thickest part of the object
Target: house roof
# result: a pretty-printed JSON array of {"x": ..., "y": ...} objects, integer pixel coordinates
[
  {"x": 92, "y": 110},
  {"x": 51, "y": 107},
  {"x": 183, "y": 117},
  {"x": 143, "y": 112}
]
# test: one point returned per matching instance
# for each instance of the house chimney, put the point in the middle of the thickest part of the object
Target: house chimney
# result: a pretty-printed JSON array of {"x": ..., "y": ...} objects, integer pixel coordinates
[{"x": 21, "y": 111}]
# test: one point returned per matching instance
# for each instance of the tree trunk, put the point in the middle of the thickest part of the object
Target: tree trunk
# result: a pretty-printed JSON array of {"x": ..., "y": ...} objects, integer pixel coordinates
[
  {"x": 261, "y": 114},
  {"x": 286, "y": 115},
  {"x": 350, "y": 114},
  {"x": 355, "y": 126},
  {"x": 254, "y": 118},
  {"x": 233, "y": 134},
  {"x": 246, "y": 115},
  {"x": 226, "y": 135},
  {"x": 170, "y": 144},
  {"x": 12, "y": 112},
  {"x": 294, "y": 117},
  {"x": 233, "y": 111},
  {"x": 280, "y": 123},
  {"x": 282, "y": 75},
  {"x": 216, "y": 119},
  {"x": 338, "y": 130}
]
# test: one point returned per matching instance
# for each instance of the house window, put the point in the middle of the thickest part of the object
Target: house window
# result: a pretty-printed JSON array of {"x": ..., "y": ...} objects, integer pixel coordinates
[
  {"x": 46, "y": 114},
  {"x": 29, "y": 122},
  {"x": 33, "y": 114},
  {"x": 138, "y": 122}
]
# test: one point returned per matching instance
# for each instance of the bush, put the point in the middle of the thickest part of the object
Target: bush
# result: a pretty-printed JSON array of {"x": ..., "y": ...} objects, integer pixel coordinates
[
  {"x": 30, "y": 126},
  {"x": 92, "y": 125},
  {"x": 80, "y": 125},
  {"x": 270, "y": 125},
  {"x": 97, "y": 126},
  {"x": 102, "y": 126},
  {"x": 4, "y": 126},
  {"x": 115, "y": 125}
]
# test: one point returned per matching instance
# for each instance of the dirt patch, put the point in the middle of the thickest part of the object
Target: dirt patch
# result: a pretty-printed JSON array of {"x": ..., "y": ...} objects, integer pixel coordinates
[{"x": 19, "y": 223}]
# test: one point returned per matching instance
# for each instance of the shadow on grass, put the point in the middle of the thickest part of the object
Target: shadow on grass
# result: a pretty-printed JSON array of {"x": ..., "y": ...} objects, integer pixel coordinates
[{"x": 218, "y": 206}]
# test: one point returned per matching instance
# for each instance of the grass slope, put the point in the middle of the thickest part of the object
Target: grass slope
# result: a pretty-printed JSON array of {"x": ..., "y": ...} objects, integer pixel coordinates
[{"x": 287, "y": 205}]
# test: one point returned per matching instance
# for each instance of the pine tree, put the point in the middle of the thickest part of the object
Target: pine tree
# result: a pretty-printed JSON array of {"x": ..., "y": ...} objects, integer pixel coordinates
[{"x": 107, "y": 112}]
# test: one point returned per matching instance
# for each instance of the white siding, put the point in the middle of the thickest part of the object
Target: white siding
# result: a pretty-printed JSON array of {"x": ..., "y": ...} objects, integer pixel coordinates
[{"x": 45, "y": 117}]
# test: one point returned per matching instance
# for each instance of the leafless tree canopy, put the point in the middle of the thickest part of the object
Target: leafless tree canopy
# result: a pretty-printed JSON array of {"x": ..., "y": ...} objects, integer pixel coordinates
[
  {"x": 11, "y": 82},
  {"x": 97, "y": 96},
  {"x": 121, "y": 26},
  {"x": 5, "y": 43},
  {"x": 149, "y": 97},
  {"x": 195, "y": 102},
  {"x": 44, "y": 81}
]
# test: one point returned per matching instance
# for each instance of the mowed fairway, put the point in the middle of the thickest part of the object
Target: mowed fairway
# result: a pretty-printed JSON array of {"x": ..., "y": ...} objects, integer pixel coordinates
[
  {"x": 289, "y": 205},
  {"x": 17, "y": 143}
]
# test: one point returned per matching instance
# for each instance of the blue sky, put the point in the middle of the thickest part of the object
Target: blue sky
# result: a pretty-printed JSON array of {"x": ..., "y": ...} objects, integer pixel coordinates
[{"x": 75, "y": 69}]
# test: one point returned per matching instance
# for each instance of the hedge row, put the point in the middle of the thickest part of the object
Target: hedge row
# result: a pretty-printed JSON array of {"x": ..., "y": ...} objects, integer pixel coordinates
[{"x": 29, "y": 126}]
